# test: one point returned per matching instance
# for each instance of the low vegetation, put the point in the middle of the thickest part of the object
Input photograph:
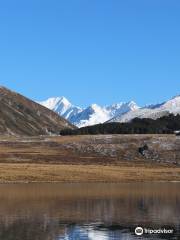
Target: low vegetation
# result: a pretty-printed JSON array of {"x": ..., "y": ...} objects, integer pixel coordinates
[{"x": 163, "y": 125}]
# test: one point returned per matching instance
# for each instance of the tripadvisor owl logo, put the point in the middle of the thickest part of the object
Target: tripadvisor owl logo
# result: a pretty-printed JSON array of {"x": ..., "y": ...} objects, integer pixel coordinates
[{"x": 139, "y": 231}]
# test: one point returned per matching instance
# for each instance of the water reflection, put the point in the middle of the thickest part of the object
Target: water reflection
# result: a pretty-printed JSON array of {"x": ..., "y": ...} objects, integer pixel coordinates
[{"x": 87, "y": 211}]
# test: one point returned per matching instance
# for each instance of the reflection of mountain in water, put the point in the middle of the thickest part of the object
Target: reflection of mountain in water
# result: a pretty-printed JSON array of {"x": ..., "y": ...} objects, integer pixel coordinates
[
  {"x": 86, "y": 211},
  {"x": 93, "y": 233},
  {"x": 53, "y": 230}
]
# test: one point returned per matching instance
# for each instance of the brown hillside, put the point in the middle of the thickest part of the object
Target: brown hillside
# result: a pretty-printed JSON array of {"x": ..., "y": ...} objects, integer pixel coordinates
[{"x": 22, "y": 116}]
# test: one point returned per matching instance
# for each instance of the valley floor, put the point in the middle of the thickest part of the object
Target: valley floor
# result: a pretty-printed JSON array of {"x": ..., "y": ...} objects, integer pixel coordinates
[
  {"x": 19, "y": 173},
  {"x": 97, "y": 158}
]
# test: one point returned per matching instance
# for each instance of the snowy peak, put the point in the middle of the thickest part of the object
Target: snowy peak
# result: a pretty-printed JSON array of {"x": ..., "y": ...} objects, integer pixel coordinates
[
  {"x": 61, "y": 106},
  {"x": 91, "y": 115},
  {"x": 118, "y": 112},
  {"x": 95, "y": 114},
  {"x": 58, "y": 104},
  {"x": 121, "y": 108},
  {"x": 50, "y": 102},
  {"x": 151, "y": 111}
]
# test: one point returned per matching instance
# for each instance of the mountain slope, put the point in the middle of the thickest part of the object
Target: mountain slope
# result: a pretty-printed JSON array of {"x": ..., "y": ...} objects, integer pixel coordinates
[
  {"x": 153, "y": 111},
  {"x": 21, "y": 116}
]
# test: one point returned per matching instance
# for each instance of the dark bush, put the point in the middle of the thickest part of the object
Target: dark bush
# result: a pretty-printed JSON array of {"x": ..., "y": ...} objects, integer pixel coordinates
[{"x": 164, "y": 125}]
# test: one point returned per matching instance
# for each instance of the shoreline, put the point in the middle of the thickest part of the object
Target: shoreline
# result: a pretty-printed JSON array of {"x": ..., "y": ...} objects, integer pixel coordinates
[{"x": 56, "y": 182}]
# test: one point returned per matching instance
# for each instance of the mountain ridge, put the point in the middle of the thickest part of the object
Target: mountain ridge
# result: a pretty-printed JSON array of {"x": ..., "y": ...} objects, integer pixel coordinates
[
  {"x": 91, "y": 115},
  {"x": 171, "y": 106},
  {"x": 117, "y": 112}
]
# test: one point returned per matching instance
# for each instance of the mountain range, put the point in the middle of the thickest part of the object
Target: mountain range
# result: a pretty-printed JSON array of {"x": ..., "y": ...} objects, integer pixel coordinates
[
  {"x": 152, "y": 111},
  {"x": 22, "y": 116},
  {"x": 119, "y": 112},
  {"x": 91, "y": 115}
]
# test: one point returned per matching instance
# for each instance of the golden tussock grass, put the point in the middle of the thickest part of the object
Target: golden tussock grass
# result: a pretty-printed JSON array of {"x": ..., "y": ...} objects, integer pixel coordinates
[{"x": 86, "y": 173}]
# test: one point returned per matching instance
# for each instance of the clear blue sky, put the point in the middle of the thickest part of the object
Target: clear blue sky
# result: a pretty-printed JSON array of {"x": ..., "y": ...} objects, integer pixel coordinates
[{"x": 101, "y": 51}]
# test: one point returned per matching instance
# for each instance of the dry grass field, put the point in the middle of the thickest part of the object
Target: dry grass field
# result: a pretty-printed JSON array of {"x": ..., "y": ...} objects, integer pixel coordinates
[
  {"x": 98, "y": 158},
  {"x": 86, "y": 173}
]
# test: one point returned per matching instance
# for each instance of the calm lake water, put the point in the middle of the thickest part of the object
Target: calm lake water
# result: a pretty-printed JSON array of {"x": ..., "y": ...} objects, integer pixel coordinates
[{"x": 88, "y": 211}]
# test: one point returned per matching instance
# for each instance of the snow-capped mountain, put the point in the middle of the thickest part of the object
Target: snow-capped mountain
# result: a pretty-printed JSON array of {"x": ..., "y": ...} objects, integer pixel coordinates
[
  {"x": 95, "y": 114},
  {"x": 58, "y": 104},
  {"x": 61, "y": 106},
  {"x": 120, "y": 112},
  {"x": 121, "y": 108},
  {"x": 152, "y": 111},
  {"x": 91, "y": 115}
]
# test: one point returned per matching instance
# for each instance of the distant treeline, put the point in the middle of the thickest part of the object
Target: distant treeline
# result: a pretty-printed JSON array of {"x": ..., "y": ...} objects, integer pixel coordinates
[{"x": 164, "y": 125}]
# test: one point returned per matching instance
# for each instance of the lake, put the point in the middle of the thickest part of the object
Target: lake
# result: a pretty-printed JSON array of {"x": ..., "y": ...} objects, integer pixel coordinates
[{"x": 101, "y": 211}]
